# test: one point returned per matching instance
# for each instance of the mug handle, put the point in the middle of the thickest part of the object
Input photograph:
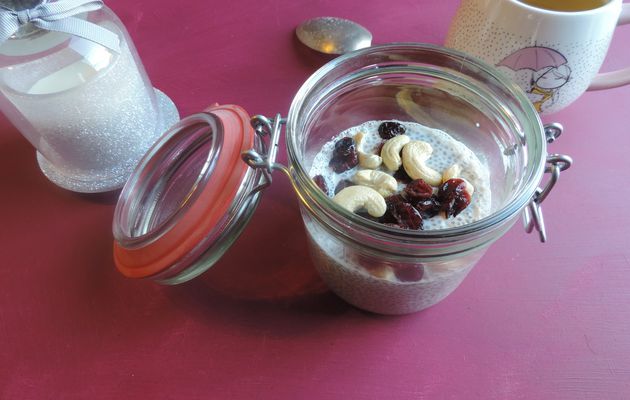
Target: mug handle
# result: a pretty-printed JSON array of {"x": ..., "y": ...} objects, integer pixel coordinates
[{"x": 621, "y": 77}]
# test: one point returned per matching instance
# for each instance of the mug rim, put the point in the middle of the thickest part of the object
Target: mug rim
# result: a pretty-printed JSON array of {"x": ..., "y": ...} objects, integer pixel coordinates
[{"x": 557, "y": 13}]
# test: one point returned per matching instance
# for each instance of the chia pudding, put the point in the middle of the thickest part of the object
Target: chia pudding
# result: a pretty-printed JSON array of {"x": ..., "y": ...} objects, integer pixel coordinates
[{"x": 404, "y": 284}]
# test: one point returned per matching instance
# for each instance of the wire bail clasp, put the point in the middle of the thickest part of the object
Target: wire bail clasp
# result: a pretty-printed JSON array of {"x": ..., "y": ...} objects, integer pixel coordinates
[
  {"x": 268, "y": 131},
  {"x": 555, "y": 163}
]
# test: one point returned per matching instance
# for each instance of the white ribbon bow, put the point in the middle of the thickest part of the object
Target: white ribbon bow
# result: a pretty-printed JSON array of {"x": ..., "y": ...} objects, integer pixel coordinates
[{"x": 59, "y": 16}]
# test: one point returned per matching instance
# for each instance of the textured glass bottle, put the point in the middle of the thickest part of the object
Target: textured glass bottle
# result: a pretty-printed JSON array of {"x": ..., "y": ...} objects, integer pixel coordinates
[{"x": 90, "y": 112}]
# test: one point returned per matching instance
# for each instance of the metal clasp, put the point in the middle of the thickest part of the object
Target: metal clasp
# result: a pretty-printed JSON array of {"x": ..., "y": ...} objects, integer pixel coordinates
[
  {"x": 532, "y": 214},
  {"x": 268, "y": 130}
]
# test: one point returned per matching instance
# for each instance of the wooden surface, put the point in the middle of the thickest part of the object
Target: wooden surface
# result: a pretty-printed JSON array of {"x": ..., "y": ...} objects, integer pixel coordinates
[{"x": 532, "y": 320}]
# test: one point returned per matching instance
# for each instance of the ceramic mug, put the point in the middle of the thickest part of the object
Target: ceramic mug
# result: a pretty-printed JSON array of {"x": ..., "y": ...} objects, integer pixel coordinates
[{"x": 554, "y": 56}]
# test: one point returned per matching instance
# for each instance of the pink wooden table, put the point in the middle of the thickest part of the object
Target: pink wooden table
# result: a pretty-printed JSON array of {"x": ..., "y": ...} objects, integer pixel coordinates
[{"x": 531, "y": 321}]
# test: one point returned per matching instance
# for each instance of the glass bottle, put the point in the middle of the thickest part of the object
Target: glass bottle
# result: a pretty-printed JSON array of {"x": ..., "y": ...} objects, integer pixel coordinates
[{"x": 90, "y": 111}]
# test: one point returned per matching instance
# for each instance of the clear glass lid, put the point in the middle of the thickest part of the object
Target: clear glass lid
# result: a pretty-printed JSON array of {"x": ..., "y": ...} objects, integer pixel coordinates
[{"x": 188, "y": 198}]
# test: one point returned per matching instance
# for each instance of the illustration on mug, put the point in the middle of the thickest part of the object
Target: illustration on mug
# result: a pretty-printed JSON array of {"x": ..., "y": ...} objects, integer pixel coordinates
[{"x": 550, "y": 72}]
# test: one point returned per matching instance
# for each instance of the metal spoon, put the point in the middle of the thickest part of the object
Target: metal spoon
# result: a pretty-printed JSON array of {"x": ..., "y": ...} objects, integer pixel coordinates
[{"x": 333, "y": 35}]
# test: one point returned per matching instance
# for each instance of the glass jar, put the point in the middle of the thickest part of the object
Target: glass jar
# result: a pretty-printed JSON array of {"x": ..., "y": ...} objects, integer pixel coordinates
[
  {"x": 433, "y": 86},
  {"x": 89, "y": 110},
  {"x": 439, "y": 89}
]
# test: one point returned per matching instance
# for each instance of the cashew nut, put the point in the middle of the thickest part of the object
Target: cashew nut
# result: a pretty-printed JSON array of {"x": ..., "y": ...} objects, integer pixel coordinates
[
  {"x": 382, "y": 182},
  {"x": 414, "y": 157},
  {"x": 451, "y": 172},
  {"x": 384, "y": 272},
  {"x": 454, "y": 171},
  {"x": 391, "y": 151},
  {"x": 354, "y": 198},
  {"x": 358, "y": 138},
  {"x": 370, "y": 161}
]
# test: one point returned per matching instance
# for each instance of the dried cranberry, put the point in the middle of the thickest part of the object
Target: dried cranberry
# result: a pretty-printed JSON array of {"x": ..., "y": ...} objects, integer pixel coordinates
[
  {"x": 407, "y": 216},
  {"x": 320, "y": 181},
  {"x": 344, "y": 155},
  {"x": 418, "y": 190},
  {"x": 342, "y": 185},
  {"x": 453, "y": 196},
  {"x": 402, "y": 176},
  {"x": 409, "y": 273},
  {"x": 389, "y": 129},
  {"x": 388, "y": 218},
  {"x": 428, "y": 208},
  {"x": 394, "y": 199}
]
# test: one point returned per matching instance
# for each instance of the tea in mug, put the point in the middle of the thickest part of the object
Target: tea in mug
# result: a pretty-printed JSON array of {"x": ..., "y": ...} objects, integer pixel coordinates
[{"x": 566, "y": 5}]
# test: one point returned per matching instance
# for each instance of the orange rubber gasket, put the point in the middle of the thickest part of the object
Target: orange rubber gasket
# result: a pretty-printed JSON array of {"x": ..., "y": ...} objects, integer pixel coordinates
[{"x": 208, "y": 209}]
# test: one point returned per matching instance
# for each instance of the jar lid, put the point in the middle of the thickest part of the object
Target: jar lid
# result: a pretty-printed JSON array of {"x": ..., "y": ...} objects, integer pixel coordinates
[{"x": 188, "y": 198}]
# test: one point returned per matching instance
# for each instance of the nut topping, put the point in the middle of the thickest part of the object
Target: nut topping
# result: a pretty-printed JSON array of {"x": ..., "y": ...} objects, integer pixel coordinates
[
  {"x": 414, "y": 157},
  {"x": 354, "y": 198}
]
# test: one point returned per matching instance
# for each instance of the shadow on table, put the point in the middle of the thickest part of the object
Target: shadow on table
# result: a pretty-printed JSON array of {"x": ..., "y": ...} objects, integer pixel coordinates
[
  {"x": 107, "y": 198},
  {"x": 280, "y": 298},
  {"x": 266, "y": 278}
]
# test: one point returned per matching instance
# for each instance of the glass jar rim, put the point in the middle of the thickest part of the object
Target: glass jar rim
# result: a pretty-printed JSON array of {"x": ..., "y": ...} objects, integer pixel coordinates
[
  {"x": 188, "y": 199},
  {"x": 324, "y": 203}
]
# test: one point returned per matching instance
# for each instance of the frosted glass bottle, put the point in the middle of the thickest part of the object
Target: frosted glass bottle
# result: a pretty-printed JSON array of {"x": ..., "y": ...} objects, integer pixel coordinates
[{"x": 90, "y": 112}]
